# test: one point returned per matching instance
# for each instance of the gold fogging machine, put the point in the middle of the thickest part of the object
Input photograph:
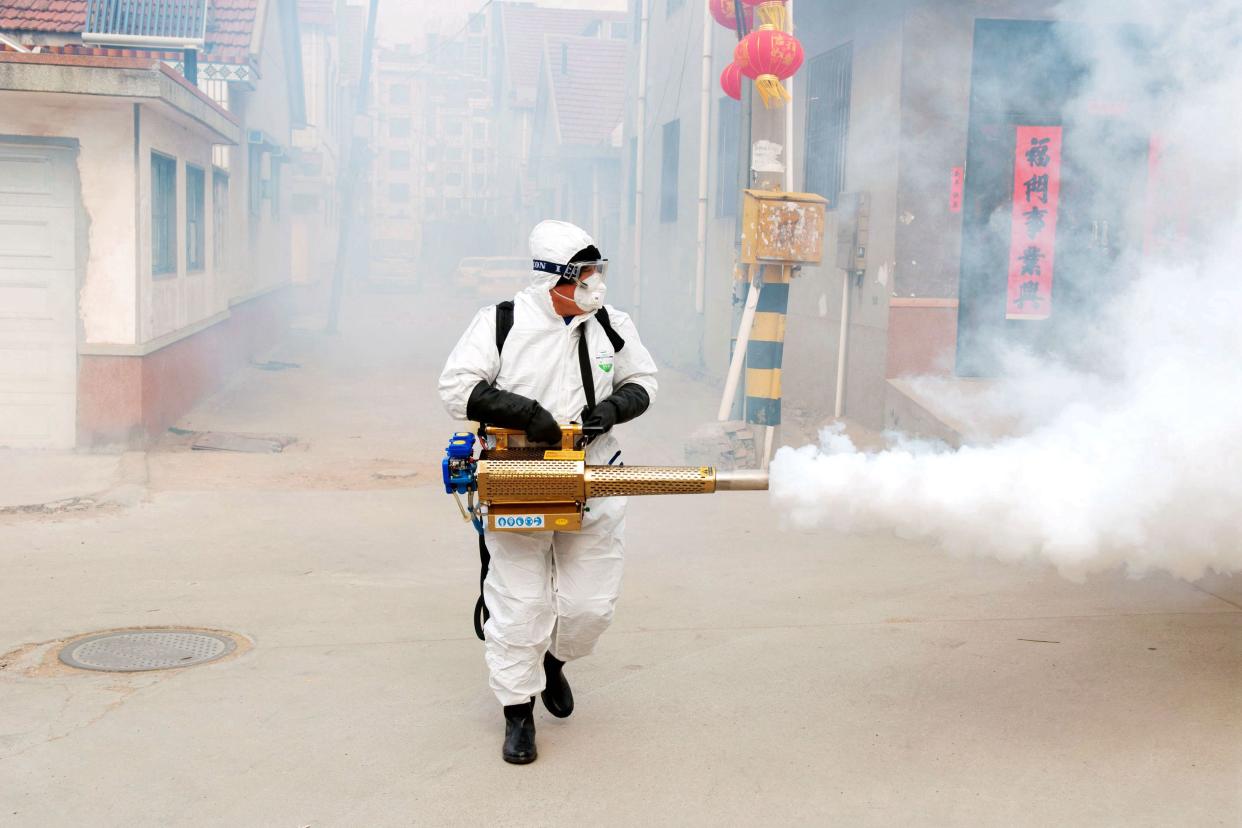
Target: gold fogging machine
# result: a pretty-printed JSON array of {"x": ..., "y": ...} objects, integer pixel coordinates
[{"x": 515, "y": 487}]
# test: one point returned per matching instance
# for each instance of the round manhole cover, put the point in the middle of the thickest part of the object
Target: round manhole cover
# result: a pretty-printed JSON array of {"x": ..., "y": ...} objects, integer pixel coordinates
[{"x": 137, "y": 650}]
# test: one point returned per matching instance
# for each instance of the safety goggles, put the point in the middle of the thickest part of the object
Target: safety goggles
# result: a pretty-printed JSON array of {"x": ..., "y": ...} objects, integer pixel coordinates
[{"x": 579, "y": 272}]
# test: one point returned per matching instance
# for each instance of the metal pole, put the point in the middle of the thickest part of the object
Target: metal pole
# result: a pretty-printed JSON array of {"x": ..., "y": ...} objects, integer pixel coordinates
[
  {"x": 705, "y": 117},
  {"x": 352, "y": 170},
  {"x": 640, "y": 155},
  {"x": 739, "y": 349},
  {"x": 744, "y": 149},
  {"x": 842, "y": 343}
]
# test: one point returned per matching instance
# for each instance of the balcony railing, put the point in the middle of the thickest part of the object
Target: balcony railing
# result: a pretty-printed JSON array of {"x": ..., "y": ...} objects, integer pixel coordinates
[{"x": 174, "y": 24}]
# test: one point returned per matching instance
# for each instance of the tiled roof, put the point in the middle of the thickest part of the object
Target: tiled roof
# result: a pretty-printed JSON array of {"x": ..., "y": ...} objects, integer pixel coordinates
[
  {"x": 230, "y": 24},
  {"x": 43, "y": 15},
  {"x": 523, "y": 28},
  {"x": 590, "y": 93}
]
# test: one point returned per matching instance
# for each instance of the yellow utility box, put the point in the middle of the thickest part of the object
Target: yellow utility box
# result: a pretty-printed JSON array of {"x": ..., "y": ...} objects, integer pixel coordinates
[{"x": 782, "y": 228}]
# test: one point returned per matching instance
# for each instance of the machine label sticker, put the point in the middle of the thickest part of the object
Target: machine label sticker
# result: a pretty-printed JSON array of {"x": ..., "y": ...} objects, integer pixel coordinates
[{"x": 519, "y": 522}]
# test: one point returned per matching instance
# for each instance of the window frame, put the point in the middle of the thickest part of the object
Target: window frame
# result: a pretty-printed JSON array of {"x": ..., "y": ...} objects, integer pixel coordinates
[
  {"x": 670, "y": 171},
  {"x": 728, "y": 150},
  {"x": 219, "y": 218},
  {"x": 826, "y": 139},
  {"x": 164, "y": 264},
  {"x": 195, "y": 218}
]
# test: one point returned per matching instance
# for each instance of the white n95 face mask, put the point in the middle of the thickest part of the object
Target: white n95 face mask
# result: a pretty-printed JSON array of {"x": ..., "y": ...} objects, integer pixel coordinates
[{"x": 590, "y": 292}]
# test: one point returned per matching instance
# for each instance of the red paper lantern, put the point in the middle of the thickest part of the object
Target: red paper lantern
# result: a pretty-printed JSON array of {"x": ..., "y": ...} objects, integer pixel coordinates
[
  {"x": 768, "y": 55},
  {"x": 771, "y": 12},
  {"x": 731, "y": 81},
  {"x": 725, "y": 12}
]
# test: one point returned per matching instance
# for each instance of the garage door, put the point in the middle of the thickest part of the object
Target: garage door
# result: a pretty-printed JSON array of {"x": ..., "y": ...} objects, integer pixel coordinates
[{"x": 38, "y": 330}]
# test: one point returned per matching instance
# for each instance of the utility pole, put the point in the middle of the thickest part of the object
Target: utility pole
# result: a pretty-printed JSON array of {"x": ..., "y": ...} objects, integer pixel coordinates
[
  {"x": 352, "y": 170},
  {"x": 771, "y": 171}
]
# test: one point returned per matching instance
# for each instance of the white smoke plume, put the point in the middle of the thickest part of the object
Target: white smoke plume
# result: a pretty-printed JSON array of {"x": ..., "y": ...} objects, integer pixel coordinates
[{"x": 1130, "y": 456}]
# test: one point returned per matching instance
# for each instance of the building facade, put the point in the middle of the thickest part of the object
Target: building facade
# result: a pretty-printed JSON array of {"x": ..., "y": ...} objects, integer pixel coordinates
[
  {"x": 163, "y": 241},
  {"x": 914, "y": 109}
]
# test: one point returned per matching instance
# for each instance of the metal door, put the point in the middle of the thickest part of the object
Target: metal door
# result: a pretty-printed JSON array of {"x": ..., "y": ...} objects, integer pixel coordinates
[{"x": 38, "y": 282}]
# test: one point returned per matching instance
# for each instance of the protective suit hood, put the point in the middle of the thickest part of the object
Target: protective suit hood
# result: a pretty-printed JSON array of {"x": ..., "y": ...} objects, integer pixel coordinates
[{"x": 556, "y": 242}]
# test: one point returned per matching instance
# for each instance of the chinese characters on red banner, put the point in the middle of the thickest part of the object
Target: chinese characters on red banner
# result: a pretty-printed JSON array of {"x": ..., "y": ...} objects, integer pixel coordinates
[
  {"x": 1036, "y": 193},
  {"x": 957, "y": 182}
]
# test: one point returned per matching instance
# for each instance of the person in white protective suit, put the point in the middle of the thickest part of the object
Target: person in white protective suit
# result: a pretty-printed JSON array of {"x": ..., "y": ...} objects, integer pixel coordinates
[{"x": 551, "y": 595}]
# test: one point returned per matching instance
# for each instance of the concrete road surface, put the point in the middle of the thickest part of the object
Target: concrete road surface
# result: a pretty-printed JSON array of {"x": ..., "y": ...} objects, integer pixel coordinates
[{"x": 755, "y": 675}]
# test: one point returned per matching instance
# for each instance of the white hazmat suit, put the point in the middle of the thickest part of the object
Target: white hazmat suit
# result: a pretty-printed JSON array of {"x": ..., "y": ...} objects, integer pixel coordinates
[{"x": 549, "y": 591}]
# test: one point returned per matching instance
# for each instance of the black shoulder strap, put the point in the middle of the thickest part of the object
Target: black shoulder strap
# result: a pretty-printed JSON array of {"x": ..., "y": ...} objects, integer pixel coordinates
[
  {"x": 615, "y": 338},
  {"x": 584, "y": 364},
  {"x": 504, "y": 323}
]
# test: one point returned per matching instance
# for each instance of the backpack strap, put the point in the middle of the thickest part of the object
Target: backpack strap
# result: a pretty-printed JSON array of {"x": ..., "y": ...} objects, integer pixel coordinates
[
  {"x": 584, "y": 364},
  {"x": 504, "y": 323},
  {"x": 615, "y": 338}
]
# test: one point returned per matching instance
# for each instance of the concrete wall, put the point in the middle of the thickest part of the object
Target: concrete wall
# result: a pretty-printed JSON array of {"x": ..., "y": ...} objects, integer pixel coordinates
[
  {"x": 267, "y": 240},
  {"x": 871, "y": 160},
  {"x": 170, "y": 302},
  {"x": 107, "y": 310},
  {"x": 672, "y": 326}
]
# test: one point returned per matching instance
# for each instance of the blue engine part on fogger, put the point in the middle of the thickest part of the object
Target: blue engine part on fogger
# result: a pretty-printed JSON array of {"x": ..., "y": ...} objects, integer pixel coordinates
[{"x": 516, "y": 487}]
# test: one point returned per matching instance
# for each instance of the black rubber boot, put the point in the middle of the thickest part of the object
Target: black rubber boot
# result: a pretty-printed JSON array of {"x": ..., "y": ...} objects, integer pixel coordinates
[
  {"x": 557, "y": 696},
  {"x": 519, "y": 747}
]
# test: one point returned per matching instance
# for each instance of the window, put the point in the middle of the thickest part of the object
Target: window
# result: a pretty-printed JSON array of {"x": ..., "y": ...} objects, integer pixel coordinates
[
  {"x": 399, "y": 128},
  {"x": 195, "y": 218},
  {"x": 727, "y": 176},
  {"x": 399, "y": 94},
  {"x": 452, "y": 153},
  {"x": 274, "y": 190},
  {"x": 398, "y": 160},
  {"x": 452, "y": 205},
  {"x": 675, "y": 5},
  {"x": 670, "y": 170},
  {"x": 219, "y": 219},
  {"x": 478, "y": 156},
  {"x": 399, "y": 193},
  {"x": 633, "y": 193},
  {"x": 254, "y": 168},
  {"x": 479, "y": 130},
  {"x": 452, "y": 179},
  {"x": 453, "y": 127},
  {"x": 163, "y": 215},
  {"x": 827, "y": 122},
  {"x": 476, "y": 23},
  {"x": 619, "y": 30}
]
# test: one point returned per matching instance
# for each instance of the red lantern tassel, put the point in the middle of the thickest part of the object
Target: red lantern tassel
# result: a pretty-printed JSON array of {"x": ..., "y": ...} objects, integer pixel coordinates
[
  {"x": 775, "y": 14},
  {"x": 772, "y": 90}
]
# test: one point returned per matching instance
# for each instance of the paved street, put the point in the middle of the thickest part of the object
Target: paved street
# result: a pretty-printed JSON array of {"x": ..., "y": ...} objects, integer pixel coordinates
[{"x": 755, "y": 674}]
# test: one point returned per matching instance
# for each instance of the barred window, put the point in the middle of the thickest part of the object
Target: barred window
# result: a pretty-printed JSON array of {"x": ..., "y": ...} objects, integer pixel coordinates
[
  {"x": 163, "y": 215},
  {"x": 827, "y": 121}
]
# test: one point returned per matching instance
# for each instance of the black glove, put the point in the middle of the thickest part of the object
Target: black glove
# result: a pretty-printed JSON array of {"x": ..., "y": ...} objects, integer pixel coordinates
[
  {"x": 625, "y": 404},
  {"x": 543, "y": 427},
  {"x": 488, "y": 404},
  {"x": 600, "y": 419}
]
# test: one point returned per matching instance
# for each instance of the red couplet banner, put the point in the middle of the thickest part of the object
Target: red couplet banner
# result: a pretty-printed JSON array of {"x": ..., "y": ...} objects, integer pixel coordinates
[
  {"x": 1036, "y": 194},
  {"x": 957, "y": 183}
]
